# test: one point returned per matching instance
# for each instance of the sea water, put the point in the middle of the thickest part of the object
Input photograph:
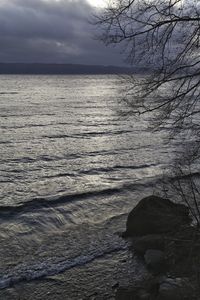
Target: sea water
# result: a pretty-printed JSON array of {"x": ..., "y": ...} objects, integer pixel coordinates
[{"x": 71, "y": 168}]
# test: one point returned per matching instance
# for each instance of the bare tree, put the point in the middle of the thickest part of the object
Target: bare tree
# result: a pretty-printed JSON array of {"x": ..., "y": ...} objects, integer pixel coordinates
[{"x": 164, "y": 37}]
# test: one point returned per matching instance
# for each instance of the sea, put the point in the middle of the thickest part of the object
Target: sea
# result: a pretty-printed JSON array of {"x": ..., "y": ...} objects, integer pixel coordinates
[{"x": 72, "y": 166}]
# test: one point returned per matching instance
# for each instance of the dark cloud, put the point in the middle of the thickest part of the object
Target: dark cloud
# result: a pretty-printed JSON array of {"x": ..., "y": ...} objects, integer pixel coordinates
[{"x": 51, "y": 31}]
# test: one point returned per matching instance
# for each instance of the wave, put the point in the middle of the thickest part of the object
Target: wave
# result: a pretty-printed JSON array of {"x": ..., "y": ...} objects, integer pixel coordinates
[
  {"x": 43, "y": 269},
  {"x": 5, "y": 142},
  {"x": 135, "y": 167},
  {"x": 87, "y": 134},
  {"x": 9, "y": 93},
  {"x": 72, "y": 156},
  {"x": 61, "y": 175},
  {"x": 26, "y": 115},
  {"x": 38, "y": 203},
  {"x": 25, "y": 126},
  {"x": 114, "y": 168},
  {"x": 185, "y": 176},
  {"x": 7, "y": 212}
]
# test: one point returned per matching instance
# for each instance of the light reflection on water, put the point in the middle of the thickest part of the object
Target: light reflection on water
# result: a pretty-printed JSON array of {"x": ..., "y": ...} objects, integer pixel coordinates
[
  {"x": 58, "y": 124},
  {"x": 61, "y": 136}
]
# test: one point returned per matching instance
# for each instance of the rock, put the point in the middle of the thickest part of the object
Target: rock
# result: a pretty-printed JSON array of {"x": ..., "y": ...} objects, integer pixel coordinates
[
  {"x": 155, "y": 260},
  {"x": 146, "y": 290},
  {"x": 174, "y": 289},
  {"x": 143, "y": 295},
  {"x": 151, "y": 241},
  {"x": 115, "y": 285},
  {"x": 155, "y": 215},
  {"x": 123, "y": 293},
  {"x": 132, "y": 294}
]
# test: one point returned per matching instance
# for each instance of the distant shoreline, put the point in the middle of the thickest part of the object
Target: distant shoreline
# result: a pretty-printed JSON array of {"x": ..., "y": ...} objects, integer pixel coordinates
[{"x": 64, "y": 69}]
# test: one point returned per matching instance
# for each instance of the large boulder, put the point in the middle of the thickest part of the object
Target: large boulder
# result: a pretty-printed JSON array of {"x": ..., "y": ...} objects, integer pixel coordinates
[
  {"x": 155, "y": 260},
  {"x": 155, "y": 215},
  {"x": 132, "y": 294},
  {"x": 144, "y": 290},
  {"x": 151, "y": 241},
  {"x": 176, "y": 289},
  {"x": 159, "y": 288}
]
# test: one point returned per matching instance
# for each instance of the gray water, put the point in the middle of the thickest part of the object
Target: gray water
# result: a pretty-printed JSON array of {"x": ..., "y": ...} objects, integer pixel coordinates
[{"x": 71, "y": 169}]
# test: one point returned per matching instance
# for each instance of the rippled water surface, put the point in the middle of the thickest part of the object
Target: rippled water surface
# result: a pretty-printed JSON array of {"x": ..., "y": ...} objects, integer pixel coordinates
[{"x": 71, "y": 169}]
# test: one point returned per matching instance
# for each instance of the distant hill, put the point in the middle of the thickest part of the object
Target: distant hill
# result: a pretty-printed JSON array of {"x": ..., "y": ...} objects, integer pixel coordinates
[{"x": 40, "y": 68}]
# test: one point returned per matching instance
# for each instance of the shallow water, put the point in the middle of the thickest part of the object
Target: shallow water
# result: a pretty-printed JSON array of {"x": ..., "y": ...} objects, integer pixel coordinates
[{"x": 71, "y": 169}]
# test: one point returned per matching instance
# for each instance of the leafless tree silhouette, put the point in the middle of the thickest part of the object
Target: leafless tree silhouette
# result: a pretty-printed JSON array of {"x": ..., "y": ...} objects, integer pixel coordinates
[{"x": 164, "y": 36}]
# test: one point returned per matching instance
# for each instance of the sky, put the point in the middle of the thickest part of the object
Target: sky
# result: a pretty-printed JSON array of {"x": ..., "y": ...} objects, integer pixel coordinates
[{"x": 52, "y": 31}]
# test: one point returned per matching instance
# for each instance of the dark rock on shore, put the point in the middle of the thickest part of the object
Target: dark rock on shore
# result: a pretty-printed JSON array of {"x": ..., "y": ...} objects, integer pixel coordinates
[
  {"x": 150, "y": 241},
  {"x": 155, "y": 260},
  {"x": 163, "y": 288},
  {"x": 147, "y": 291},
  {"x": 155, "y": 215},
  {"x": 162, "y": 235},
  {"x": 132, "y": 294},
  {"x": 175, "y": 289}
]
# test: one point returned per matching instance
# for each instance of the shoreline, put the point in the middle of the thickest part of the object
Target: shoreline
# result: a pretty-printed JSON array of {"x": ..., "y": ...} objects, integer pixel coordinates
[{"x": 171, "y": 252}]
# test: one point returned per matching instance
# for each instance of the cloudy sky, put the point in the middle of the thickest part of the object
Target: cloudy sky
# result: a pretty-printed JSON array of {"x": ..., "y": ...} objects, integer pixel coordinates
[{"x": 54, "y": 31}]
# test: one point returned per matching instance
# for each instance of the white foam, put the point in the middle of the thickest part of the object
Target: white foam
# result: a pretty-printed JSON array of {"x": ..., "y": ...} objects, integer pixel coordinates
[{"x": 48, "y": 268}]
